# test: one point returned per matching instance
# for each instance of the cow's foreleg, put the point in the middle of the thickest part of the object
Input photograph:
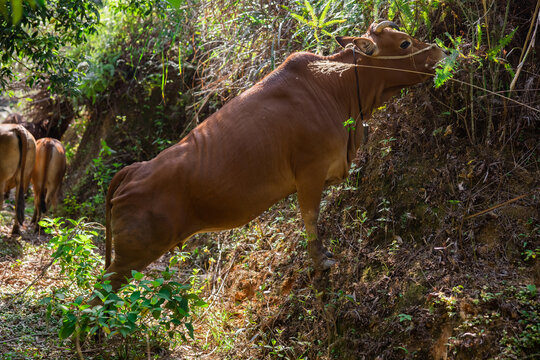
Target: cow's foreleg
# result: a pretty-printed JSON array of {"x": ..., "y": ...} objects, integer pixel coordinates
[{"x": 309, "y": 199}]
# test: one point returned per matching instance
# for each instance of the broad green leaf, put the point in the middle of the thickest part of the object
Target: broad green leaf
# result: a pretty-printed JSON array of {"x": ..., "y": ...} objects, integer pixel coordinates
[
  {"x": 137, "y": 275},
  {"x": 165, "y": 294},
  {"x": 16, "y": 14},
  {"x": 68, "y": 327},
  {"x": 175, "y": 3}
]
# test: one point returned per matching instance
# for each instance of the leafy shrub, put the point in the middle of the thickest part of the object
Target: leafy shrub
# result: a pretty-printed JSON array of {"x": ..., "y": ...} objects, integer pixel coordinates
[{"x": 145, "y": 308}]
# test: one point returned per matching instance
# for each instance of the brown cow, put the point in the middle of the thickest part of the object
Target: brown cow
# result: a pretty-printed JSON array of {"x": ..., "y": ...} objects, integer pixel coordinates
[
  {"x": 286, "y": 134},
  {"x": 17, "y": 155},
  {"x": 13, "y": 118},
  {"x": 49, "y": 169}
]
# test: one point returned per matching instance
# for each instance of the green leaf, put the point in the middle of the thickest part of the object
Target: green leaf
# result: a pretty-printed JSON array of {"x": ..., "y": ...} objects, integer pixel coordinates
[
  {"x": 301, "y": 19},
  {"x": 137, "y": 275},
  {"x": 16, "y": 14},
  {"x": 175, "y": 3},
  {"x": 165, "y": 294},
  {"x": 325, "y": 11},
  {"x": 68, "y": 327},
  {"x": 135, "y": 296},
  {"x": 478, "y": 36},
  {"x": 502, "y": 43},
  {"x": 332, "y": 22},
  {"x": 189, "y": 327},
  {"x": 311, "y": 12}
]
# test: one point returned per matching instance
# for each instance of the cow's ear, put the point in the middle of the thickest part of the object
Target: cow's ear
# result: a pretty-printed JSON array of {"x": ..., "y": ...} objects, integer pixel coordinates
[
  {"x": 367, "y": 46},
  {"x": 364, "y": 44},
  {"x": 344, "y": 40}
]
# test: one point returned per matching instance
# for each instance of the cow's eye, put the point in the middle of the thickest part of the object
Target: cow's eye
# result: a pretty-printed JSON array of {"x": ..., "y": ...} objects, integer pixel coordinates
[{"x": 405, "y": 44}]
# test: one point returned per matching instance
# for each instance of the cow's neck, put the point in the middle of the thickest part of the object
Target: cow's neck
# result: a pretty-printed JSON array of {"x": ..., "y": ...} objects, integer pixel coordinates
[
  {"x": 343, "y": 84},
  {"x": 373, "y": 89}
]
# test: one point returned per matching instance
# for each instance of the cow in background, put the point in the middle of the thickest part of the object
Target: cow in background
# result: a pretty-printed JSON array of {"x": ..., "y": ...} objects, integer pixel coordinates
[
  {"x": 14, "y": 118},
  {"x": 17, "y": 156},
  {"x": 49, "y": 170}
]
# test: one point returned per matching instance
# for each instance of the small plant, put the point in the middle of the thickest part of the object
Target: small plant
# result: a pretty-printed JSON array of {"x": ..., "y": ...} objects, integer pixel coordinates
[
  {"x": 103, "y": 172},
  {"x": 144, "y": 307},
  {"x": 349, "y": 124},
  {"x": 404, "y": 317},
  {"x": 386, "y": 146},
  {"x": 74, "y": 249},
  {"x": 447, "y": 68}
]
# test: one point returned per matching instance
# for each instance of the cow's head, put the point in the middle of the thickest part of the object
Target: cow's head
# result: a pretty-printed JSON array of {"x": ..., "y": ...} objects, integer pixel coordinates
[{"x": 386, "y": 47}]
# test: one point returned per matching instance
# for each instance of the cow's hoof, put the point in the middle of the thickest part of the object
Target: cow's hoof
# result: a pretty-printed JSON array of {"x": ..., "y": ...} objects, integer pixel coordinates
[
  {"x": 328, "y": 254},
  {"x": 327, "y": 264}
]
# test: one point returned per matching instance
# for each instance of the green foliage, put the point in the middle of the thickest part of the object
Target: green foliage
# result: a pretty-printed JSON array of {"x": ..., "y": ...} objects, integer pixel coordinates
[
  {"x": 16, "y": 9},
  {"x": 412, "y": 13},
  {"x": 104, "y": 172},
  {"x": 349, "y": 124},
  {"x": 74, "y": 250},
  {"x": 32, "y": 40},
  {"x": 101, "y": 172},
  {"x": 404, "y": 317},
  {"x": 132, "y": 33},
  {"x": 317, "y": 23},
  {"x": 446, "y": 68},
  {"x": 145, "y": 308}
]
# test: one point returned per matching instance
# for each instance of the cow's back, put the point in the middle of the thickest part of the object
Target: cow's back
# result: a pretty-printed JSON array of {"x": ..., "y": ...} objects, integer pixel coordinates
[
  {"x": 10, "y": 154},
  {"x": 30, "y": 159},
  {"x": 243, "y": 158},
  {"x": 49, "y": 168}
]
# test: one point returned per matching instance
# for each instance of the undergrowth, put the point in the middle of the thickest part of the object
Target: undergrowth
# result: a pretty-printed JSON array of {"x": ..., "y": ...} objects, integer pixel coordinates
[{"x": 157, "y": 309}]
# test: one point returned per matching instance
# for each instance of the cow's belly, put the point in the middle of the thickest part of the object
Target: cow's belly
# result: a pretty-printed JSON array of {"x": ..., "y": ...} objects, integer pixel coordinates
[
  {"x": 338, "y": 171},
  {"x": 233, "y": 208}
]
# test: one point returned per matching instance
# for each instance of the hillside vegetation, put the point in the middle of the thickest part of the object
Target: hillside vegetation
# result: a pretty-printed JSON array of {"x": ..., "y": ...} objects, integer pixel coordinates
[{"x": 436, "y": 231}]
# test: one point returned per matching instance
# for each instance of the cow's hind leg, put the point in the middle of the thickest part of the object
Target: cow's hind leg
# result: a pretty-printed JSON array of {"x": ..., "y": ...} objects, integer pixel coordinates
[{"x": 309, "y": 190}]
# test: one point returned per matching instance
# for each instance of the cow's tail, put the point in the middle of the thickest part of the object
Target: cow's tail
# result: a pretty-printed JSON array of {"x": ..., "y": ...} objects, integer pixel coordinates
[
  {"x": 115, "y": 183},
  {"x": 48, "y": 158},
  {"x": 23, "y": 149}
]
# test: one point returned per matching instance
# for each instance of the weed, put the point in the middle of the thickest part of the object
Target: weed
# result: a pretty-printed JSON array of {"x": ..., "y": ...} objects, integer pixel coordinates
[
  {"x": 386, "y": 148},
  {"x": 349, "y": 124}
]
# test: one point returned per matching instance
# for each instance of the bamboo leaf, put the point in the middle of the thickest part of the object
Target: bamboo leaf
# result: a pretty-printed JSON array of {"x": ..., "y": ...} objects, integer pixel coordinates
[
  {"x": 325, "y": 11},
  {"x": 300, "y": 19},
  {"x": 332, "y": 22},
  {"x": 309, "y": 8}
]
